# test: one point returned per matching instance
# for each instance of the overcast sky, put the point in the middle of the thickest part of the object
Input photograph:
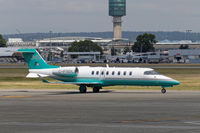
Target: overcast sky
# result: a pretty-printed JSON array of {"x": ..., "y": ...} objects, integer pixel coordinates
[{"x": 92, "y": 15}]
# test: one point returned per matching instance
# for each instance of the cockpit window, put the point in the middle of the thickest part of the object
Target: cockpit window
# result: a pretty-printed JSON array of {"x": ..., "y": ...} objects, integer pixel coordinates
[{"x": 151, "y": 73}]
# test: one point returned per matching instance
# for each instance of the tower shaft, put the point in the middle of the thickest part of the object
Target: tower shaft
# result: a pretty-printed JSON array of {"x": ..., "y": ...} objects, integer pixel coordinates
[
  {"x": 117, "y": 9},
  {"x": 117, "y": 27}
]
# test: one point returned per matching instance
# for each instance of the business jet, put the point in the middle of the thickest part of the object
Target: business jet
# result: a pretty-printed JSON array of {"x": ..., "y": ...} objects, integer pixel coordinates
[{"x": 95, "y": 77}]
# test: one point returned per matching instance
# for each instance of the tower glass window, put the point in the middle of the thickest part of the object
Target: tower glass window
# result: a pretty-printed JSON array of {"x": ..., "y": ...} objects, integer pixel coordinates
[{"x": 117, "y": 7}]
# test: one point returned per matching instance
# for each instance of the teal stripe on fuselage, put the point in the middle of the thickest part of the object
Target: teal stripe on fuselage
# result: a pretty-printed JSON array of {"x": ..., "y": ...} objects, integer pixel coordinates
[
  {"x": 86, "y": 80},
  {"x": 114, "y": 82},
  {"x": 139, "y": 82}
]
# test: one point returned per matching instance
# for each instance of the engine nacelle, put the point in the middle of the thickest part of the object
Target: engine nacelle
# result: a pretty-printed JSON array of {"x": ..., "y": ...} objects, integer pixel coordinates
[{"x": 66, "y": 72}]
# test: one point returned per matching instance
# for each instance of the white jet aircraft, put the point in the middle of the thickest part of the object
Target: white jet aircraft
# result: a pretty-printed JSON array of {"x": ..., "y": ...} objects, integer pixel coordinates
[{"x": 95, "y": 77}]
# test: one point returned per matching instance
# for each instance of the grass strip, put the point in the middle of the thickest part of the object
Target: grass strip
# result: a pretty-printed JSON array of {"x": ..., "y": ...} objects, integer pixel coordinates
[{"x": 15, "y": 79}]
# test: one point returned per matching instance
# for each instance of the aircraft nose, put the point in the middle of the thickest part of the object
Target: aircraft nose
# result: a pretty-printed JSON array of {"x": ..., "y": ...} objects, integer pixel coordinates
[{"x": 175, "y": 82}]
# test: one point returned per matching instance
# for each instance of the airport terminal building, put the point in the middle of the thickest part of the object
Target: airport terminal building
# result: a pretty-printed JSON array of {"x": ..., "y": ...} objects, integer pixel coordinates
[
  {"x": 56, "y": 49},
  {"x": 185, "y": 55},
  {"x": 171, "y": 45},
  {"x": 65, "y": 42}
]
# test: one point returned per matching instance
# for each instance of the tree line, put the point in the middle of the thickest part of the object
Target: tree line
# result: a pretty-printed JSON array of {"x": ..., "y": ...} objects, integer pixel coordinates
[
  {"x": 144, "y": 43},
  {"x": 2, "y": 41},
  {"x": 131, "y": 35}
]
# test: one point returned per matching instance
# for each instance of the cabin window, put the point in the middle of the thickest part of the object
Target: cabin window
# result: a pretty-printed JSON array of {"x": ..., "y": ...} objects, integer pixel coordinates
[
  {"x": 92, "y": 72},
  {"x": 107, "y": 73},
  {"x": 113, "y": 73},
  {"x": 119, "y": 73},
  {"x": 124, "y": 73},
  {"x": 97, "y": 73},
  {"x": 102, "y": 73},
  {"x": 151, "y": 73},
  {"x": 130, "y": 73}
]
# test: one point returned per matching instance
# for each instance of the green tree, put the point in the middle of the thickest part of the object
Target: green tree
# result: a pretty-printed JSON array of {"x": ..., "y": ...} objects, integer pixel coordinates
[
  {"x": 184, "y": 46},
  {"x": 85, "y": 46},
  {"x": 2, "y": 41},
  {"x": 144, "y": 43}
]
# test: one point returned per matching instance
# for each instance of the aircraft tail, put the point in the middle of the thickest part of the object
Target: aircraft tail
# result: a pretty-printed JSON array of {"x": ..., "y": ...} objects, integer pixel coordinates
[{"x": 34, "y": 59}]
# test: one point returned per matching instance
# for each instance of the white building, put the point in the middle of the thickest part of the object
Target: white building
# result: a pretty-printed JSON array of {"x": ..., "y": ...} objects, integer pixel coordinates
[
  {"x": 170, "y": 45},
  {"x": 15, "y": 40},
  {"x": 66, "y": 42},
  {"x": 18, "y": 42},
  {"x": 185, "y": 55}
]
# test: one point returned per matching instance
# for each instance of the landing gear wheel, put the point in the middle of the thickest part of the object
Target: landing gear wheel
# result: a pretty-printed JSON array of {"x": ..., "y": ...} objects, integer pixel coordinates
[
  {"x": 83, "y": 89},
  {"x": 163, "y": 91},
  {"x": 96, "y": 89}
]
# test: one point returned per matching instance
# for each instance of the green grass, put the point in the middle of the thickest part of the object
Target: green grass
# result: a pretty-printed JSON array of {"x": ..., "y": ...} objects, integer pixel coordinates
[{"x": 15, "y": 79}]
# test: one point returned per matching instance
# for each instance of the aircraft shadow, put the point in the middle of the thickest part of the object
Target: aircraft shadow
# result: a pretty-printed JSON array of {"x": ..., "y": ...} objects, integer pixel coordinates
[
  {"x": 135, "y": 92},
  {"x": 73, "y": 92}
]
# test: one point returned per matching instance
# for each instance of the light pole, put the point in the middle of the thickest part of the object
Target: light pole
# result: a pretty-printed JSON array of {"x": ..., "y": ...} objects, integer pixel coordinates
[
  {"x": 51, "y": 48},
  {"x": 187, "y": 34},
  {"x": 50, "y": 37}
]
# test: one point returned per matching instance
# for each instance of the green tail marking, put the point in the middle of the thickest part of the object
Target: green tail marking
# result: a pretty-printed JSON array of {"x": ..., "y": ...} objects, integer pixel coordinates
[{"x": 34, "y": 59}]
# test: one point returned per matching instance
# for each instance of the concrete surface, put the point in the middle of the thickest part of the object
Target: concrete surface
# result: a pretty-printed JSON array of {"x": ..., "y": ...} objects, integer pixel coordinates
[{"x": 60, "y": 111}]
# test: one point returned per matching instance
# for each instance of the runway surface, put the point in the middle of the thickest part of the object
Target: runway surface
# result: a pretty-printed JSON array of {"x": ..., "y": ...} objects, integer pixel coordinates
[{"x": 60, "y": 111}]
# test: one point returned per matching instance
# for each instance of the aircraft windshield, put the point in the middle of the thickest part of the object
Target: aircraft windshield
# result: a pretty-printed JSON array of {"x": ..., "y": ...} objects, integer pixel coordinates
[{"x": 151, "y": 73}]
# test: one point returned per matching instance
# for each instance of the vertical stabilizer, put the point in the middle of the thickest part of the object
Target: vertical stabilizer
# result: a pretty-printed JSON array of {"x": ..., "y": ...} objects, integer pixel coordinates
[{"x": 34, "y": 59}]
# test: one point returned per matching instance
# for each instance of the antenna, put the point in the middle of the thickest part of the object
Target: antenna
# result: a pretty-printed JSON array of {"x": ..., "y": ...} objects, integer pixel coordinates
[
  {"x": 18, "y": 31},
  {"x": 20, "y": 34}
]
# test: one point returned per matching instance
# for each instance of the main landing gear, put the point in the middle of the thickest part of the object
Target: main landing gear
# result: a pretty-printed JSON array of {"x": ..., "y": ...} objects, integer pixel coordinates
[
  {"x": 163, "y": 90},
  {"x": 83, "y": 89},
  {"x": 96, "y": 89}
]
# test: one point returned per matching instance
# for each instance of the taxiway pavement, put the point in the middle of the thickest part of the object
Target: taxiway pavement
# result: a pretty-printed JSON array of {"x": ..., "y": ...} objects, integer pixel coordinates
[{"x": 60, "y": 111}]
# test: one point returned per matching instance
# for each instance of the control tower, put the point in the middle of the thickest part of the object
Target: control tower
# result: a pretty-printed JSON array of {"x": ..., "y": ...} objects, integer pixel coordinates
[{"x": 117, "y": 9}]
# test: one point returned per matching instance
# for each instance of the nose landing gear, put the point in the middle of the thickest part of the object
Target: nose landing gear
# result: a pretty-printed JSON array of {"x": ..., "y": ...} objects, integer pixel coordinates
[{"x": 163, "y": 90}]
